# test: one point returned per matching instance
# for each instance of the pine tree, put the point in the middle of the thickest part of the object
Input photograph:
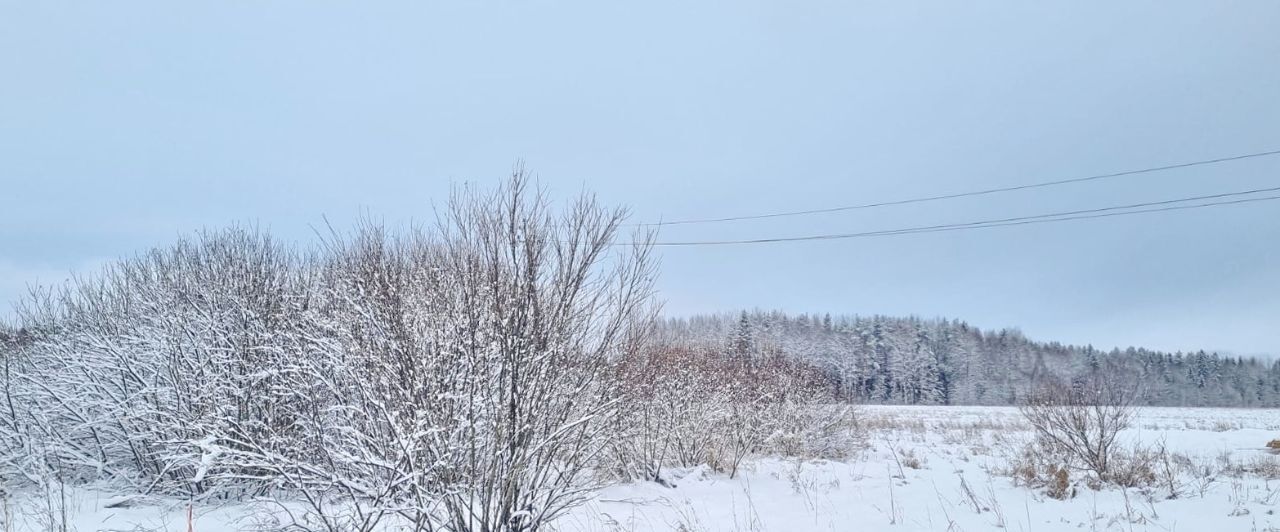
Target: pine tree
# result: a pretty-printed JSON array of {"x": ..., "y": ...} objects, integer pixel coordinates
[{"x": 742, "y": 344}]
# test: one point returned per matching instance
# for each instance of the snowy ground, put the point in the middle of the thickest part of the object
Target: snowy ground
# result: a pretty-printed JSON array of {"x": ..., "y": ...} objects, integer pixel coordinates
[{"x": 922, "y": 469}]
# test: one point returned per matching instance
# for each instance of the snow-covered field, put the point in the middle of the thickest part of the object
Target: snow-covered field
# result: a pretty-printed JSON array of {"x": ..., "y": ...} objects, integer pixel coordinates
[{"x": 920, "y": 469}]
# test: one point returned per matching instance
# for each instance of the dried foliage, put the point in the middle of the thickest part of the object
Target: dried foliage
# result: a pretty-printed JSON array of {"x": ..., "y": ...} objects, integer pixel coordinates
[{"x": 689, "y": 407}]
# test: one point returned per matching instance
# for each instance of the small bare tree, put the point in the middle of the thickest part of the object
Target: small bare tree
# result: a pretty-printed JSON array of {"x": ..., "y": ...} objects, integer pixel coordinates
[
  {"x": 1082, "y": 421},
  {"x": 460, "y": 379},
  {"x": 528, "y": 310}
]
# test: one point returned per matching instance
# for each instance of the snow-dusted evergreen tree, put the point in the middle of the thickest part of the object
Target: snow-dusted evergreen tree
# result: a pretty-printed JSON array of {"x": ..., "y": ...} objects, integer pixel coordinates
[{"x": 742, "y": 344}]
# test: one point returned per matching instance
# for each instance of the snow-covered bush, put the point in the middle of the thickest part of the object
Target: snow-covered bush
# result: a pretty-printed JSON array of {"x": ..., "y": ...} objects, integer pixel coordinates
[
  {"x": 123, "y": 372},
  {"x": 667, "y": 400},
  {"x": 456, "y": 378},
  {"x": 693, "y": 406}
]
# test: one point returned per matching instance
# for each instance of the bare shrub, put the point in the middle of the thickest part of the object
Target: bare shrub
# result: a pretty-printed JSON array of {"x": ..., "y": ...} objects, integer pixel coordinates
[
  {"x": 813, "y": 429},
  {"x": 671, "y": 398},
  {"x": 692, "y": 406},
  {"x": 479, "y": 359},
  {"x": 1035, "y": 466},
  {"x": 454, "y": 379},
  {"x": 1081, "y": 422},
  {"x": 124, "y": 373},
  {"x": 1168, "y": 469},
  {"x": 1134, "y": 467}
]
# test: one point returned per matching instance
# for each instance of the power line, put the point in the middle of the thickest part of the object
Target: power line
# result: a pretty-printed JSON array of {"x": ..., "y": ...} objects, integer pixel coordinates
[
  {"x": 1102, "y": 212},
  {"x": 960, "y": 227},
  {"x": 1107, "y": 215},
  {"x": 970, "y": 193}
]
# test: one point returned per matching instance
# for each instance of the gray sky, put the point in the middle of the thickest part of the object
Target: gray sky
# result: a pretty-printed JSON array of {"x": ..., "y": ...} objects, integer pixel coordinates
[{"x": 126, "y": 124}]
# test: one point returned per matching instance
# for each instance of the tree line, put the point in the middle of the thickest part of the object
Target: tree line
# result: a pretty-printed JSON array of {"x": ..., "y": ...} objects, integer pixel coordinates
[{"x": 910, "y": 360}]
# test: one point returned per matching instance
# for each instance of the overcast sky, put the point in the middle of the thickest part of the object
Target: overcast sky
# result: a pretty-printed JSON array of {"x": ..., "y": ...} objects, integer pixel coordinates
[{"x": 126, "y": 124}]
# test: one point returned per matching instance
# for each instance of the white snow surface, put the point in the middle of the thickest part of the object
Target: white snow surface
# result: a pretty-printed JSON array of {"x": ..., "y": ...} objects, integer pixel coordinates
[{"x": 880, "y": 488}]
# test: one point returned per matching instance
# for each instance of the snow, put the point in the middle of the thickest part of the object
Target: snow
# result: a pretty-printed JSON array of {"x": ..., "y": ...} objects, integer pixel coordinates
[{"x": 920, "y": 469}]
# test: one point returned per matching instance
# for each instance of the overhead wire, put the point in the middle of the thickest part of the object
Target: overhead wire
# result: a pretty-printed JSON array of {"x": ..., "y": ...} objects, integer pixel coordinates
[
  {"x": 981, "y": 192},
  {"x": 1101, "y": 212}
]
